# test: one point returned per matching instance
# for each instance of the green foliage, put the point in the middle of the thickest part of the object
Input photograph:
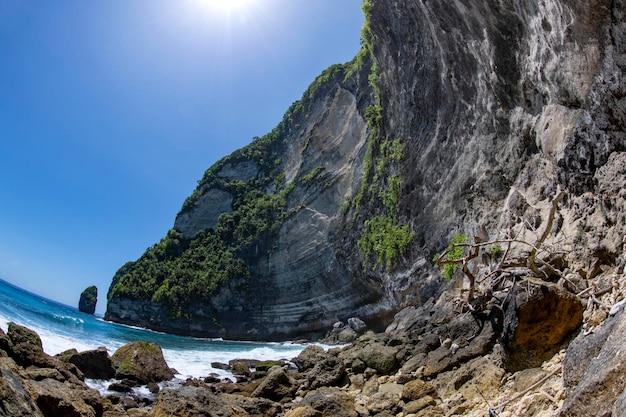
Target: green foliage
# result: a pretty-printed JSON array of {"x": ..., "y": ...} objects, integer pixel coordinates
[
  {"x": 385, "y": 238},
  {"x": 178, "y": 271},
  {"x": 315, "y": 174},
  {"x": 382, "y": 235},
  {"x": 496, "y": 251},
  {"x": 454, "y": 253}
]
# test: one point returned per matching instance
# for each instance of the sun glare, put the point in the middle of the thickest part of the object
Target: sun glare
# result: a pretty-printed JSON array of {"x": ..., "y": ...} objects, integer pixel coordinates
[{"x": 228, "y": 7}]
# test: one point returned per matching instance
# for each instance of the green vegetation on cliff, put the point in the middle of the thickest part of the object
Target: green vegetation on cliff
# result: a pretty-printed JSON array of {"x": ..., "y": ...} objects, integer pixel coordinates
[
  {"x": 181, "y": 270},
  {"x": 383, "y": 236}
]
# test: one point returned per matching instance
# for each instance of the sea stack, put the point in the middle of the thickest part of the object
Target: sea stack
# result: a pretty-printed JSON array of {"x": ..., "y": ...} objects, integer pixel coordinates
[{"x": 88, "y": 300}]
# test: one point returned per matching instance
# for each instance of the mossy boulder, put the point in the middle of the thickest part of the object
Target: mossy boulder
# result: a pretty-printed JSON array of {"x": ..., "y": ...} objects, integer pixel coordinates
[
  {"x": 20, "y": 334},
  {"x": 88, "y": 300},
  {"x": 141, "y": 362}
]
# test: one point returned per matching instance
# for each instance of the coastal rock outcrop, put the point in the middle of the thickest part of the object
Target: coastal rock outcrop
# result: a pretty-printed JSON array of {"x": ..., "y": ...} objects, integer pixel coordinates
[
  {"x": 141, "y": 362},
  {"x": 456, "y": 117},
  {"x": 95, "y": 364},
  {"x": 88, "y": 300}
]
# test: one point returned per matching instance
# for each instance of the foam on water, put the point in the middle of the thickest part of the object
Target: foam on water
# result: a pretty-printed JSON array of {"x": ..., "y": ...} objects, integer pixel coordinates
[{"x": 61, "y": 328}]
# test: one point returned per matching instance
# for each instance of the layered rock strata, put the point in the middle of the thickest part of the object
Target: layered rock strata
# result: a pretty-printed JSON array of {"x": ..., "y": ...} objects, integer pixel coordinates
[{"x": 498, "y": 107}]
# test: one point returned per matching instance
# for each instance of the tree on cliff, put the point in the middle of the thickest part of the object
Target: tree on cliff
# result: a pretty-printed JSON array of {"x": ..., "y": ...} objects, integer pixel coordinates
[{"x": 88, "y": 300}]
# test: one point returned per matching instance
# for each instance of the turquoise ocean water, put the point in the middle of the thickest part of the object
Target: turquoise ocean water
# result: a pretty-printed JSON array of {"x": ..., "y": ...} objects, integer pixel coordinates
[{"x": 62, "y": 327}]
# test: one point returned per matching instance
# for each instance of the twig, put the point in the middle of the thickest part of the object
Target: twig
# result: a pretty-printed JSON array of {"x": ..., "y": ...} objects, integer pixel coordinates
[{"x": 532, "y": 387}]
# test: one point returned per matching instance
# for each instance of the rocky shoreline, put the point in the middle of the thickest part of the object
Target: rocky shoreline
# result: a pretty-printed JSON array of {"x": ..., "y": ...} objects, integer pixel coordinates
[{"x": 547, "y": 355}]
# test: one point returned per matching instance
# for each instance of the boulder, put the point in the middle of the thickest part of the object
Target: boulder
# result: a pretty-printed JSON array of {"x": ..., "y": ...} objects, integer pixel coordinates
[
  {"x": 55, "y": 398},
  {"x": 600, "y": 383},
  {"x": 276, "y": 386},
  {"x": 304, "y": 412},
  {"x": 88, "y": 300},
  {"x": 309, "y": 357},
  {"x": 5, "y": 342},
  {"x": 192, "y": 402},
  {"x": 141, "y": 362},
  {"x": 20, "y": 334},
  {"x": 416, "y": 389},
  {"x": 94, "y": 364},
  {"x": 15, "y": 401},
  {"x": 327, "y": 372},
  {"x": 330, "y": 402},
  {"x": 256, "y": 407},
  {"x": 357, "y": 325},
  {"x": 380, "y": 357},
  {"x": 536, "y": 323}
]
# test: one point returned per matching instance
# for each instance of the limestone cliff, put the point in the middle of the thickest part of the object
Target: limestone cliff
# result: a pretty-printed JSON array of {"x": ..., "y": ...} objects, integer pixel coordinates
[{"x": 464, "y": 116}]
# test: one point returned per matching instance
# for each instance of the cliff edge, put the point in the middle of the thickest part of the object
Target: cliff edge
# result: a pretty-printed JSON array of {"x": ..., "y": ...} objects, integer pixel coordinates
[{"x": 455, "y": 118}]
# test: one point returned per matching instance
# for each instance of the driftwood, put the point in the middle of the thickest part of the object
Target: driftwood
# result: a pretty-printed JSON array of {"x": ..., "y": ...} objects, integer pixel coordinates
[{"x": 533, "y": 269}]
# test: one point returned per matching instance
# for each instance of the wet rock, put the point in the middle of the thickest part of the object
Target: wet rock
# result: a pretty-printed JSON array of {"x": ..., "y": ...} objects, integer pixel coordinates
[
  {"x": 141, "y": 362},
  {"x": 95, "y": 364},
  {"x": 5, "y": 342},
  {"x": 220, "y": 365},
  {"x": 120, "y": 387},
  {"x": 536, "y": 323},
  {"x": 240, "y": 369}
]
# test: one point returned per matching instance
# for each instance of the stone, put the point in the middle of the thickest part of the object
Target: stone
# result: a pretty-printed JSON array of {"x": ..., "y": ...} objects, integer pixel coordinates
[
  {"x": 255, "y": 407},
  {"x": 418, "y": 405},
  {"x": 416, "y": 389},
  {"x": 141, "y": 362},
  {"x": 193, "y": 402},
  {"x": 15, "y": 400},
  {"x": 330, "y": 402},
  {"x": 20, "y": 334},
  {"x": 304, "y": 412},
  {"x": 327, "y": 372},
  {"x": 54, "y": 398},
  {"x": 94, "y": 364},
  {"x": 602, "y": 383},
  {"x": 379, "y": 357},
  {"x": 276, "y": 386},
  {"x": 88, "y": 300},
  {"x": 357, "y": 325},
  {"x": 240, "y": 368},
  {"x": 536, "y": 324},
  {"x": 309, "y": 357}
]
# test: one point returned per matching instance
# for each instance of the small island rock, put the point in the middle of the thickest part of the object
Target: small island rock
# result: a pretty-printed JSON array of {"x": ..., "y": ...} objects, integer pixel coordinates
[{"x": 88, "y": 300}]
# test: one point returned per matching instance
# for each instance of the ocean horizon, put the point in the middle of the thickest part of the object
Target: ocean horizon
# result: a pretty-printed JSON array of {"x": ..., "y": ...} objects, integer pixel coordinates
[{"x": 62, "y": 327}]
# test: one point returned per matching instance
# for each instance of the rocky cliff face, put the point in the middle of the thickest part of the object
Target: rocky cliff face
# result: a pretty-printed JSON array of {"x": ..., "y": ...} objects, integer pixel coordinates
[{"x": 496, "y": 106}]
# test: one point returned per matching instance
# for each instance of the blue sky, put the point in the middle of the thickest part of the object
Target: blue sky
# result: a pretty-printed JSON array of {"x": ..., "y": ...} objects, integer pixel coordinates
[{"x": 111, "y": 110}]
